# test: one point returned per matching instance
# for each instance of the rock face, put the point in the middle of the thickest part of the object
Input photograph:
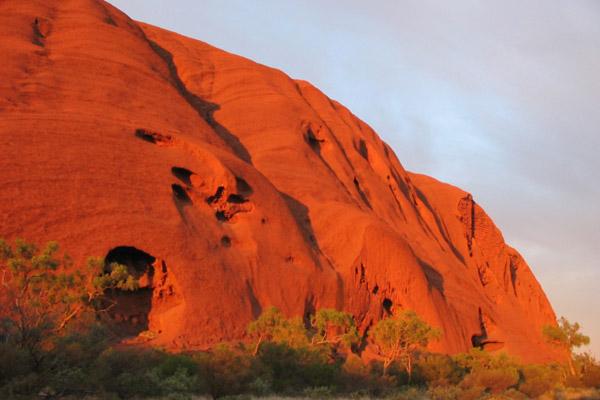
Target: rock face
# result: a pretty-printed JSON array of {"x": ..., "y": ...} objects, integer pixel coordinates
[{"x": 228, "y": 187}]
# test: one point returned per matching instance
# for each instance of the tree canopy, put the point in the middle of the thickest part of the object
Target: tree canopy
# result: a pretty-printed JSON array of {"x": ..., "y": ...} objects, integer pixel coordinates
[
  {"x": 399, "y": 337},
  {"x": 43, "y": 292},
  {"x": 333, "y": 327},
  {"x": 566, "y": 335}
]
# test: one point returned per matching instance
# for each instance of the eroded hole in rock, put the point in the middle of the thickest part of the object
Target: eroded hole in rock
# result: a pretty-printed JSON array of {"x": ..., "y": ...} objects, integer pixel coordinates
[
  {"x": 226, "y": 241},
  {"x": 313, "y": 141},
  {"x": 227, "y": 206},
  {"x": 217, "y": 196},
  {"x": 362, "y": 194},
  {"x": 479, "y": 339},
  {"x": 376, "y": 289},
  {"x": 387, "y": 306},
  {"x": 41, "y": 30},
  {"x": 181, "y": 194},
  {"x": 183, "y": 174},
  {"x": 128, "y": 310},
  {"x": 154, "y": 137},
  {"x": 221, "y": 216},
  {"x": 236, "y": 199},
  {"x": 243, "y": 187},
  {"x": 109, "y": 20},
  {"x": 362, "y": 149}
]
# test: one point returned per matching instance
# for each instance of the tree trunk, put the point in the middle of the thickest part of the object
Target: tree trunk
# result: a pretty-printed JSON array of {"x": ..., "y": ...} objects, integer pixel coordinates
[
  {"x": 386, "y": 364},
  {"x": 255, "y": 352},
  {"x": 571, "y": 366}
]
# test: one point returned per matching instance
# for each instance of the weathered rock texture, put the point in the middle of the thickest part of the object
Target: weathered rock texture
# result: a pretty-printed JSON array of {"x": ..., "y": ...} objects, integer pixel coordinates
[{"x": 229, "y": 187}]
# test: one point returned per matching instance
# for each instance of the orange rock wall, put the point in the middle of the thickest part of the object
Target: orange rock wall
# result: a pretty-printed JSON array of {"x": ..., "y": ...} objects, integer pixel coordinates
[{"x": 249, "y": 188}]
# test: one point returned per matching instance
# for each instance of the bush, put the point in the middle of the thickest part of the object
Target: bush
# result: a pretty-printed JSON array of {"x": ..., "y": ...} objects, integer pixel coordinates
[
  {"x": 437, "y": 370},
  {"x": 293, "y": 369},
  {"x": 14, "y": 362},
  {"x": 589, "y": 370},
  {"x": 228, "y": 371},
  {"x": 539, "y": 379},
  {"x": 494, "y": 380},
  {"x": 140, "y": 372}
]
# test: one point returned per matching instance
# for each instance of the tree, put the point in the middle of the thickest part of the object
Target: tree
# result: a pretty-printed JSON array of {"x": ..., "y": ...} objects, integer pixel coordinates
[
  {"x": 42, "y": 294},
  {"x": 273, "y": 326},
  {"x": 334, "y": 327},
  {"x": 400, "y": 337},
  {"x": 566, "y": 335}
]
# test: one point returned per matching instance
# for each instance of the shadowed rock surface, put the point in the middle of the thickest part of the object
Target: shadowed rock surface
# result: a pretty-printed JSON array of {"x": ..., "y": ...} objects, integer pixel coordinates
[{"x": 240, "y": 187}]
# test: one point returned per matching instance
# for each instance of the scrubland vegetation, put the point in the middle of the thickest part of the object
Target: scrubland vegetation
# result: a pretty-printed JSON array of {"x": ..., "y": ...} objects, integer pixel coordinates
[{"x": 55, "y": 343}]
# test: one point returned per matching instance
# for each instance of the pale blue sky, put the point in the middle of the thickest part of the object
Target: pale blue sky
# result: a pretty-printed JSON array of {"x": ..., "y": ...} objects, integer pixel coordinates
[{"x": 501, "y": 98}]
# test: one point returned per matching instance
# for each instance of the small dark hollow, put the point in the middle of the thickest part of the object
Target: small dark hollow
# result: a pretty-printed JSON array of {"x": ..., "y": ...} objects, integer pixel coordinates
[
  {"x": 243, "y": 187},
  {"x": 154, "y": 137},
  {"x": 313, "y": 140},
  {"x": 181, "y": 194},
  {"x": 362, "y": 149},
  {"x": 376, "y": 289},
  {"x": 387, "y": 306},
  {"x": 225, "y": 241},
  {"x": 477, "y": 341},
  {"x": 109, "y": 20},
  {"x": 289, "y": 259},
  {"x": 217, "y": 196},
  {"x": 183, "y": 174},
  {"x": 236, "y": 199},
  {"x": 263, "y": 220},
  {"x": 220, "y": 215},
  {"x": 145, "y": 135}
]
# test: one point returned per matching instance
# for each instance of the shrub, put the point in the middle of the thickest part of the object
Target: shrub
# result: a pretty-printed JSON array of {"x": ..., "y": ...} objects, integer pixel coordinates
[
  {"x": 228, "y": 371},
  {"x": 539, "y": 379},
  {"x": 14, "y": 362},
  {"x": 437, "y": 370},
  {"x": 495, "y": 373},
  {"x": 293, "y": 369}
]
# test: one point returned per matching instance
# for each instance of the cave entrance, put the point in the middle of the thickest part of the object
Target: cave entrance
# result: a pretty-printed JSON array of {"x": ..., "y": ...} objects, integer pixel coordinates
[
  {"x": 387, "y": 306},
  {"x": 128, "y": 310}
]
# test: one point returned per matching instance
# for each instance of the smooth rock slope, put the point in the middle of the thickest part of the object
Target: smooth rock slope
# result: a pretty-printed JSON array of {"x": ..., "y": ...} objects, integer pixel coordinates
[{"x": 229, "y": 187}]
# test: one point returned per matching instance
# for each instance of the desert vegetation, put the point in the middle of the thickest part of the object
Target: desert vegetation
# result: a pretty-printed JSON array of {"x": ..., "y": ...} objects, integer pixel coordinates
[{"x": 56, "y": 343}]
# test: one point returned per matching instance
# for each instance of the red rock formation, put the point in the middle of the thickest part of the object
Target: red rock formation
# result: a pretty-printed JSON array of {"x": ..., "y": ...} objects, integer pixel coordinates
[{"x": 229, "y": 187}]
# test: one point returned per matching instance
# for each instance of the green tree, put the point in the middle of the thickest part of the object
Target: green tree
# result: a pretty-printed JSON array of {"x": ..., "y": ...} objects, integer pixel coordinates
[
  {"x": 566, "y": 335},
  {"x": 334, "y": 327},
  {"x": 41, "y": 293},
  {"x": 273, "y": 326},
  {"x": 400, "y": 337}
]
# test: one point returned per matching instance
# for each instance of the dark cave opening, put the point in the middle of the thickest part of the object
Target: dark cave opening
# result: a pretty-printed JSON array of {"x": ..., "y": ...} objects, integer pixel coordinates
[
  {"x": 181, "y": 194},
  {"x": 387, "y": 306},
  {"x": 313, "y": 141},
  {"x": 183, "y": 174},
  {"x": 128, "y": 310}
]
